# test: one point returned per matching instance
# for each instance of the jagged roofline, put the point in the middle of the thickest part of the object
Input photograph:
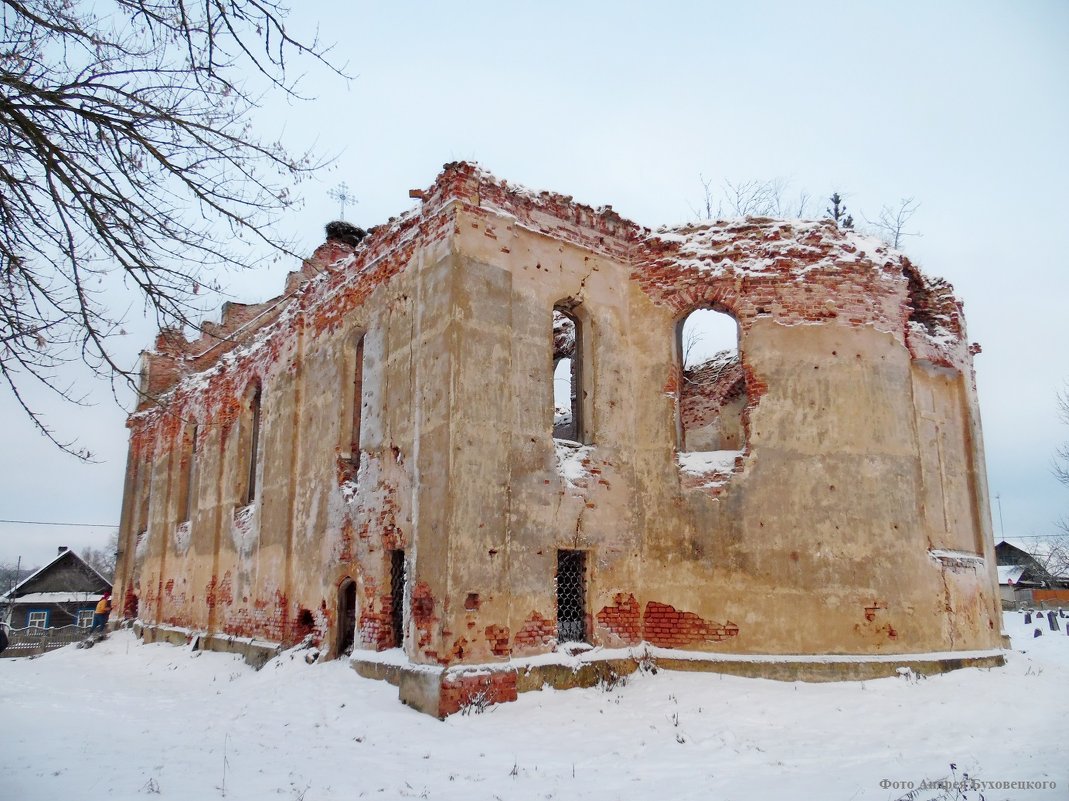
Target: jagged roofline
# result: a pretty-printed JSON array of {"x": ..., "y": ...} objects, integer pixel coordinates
[{"x": 776, "y": 247}]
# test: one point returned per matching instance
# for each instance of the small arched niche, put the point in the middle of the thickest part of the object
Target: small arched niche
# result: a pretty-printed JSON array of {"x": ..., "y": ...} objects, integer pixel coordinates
[
  {"x": 346, "y": 631},
  {"x": 712, "y": 391}
]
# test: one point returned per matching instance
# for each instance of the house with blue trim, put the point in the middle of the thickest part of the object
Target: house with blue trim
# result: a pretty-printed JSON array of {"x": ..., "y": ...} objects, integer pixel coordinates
[{"x": 52, "y": 606}]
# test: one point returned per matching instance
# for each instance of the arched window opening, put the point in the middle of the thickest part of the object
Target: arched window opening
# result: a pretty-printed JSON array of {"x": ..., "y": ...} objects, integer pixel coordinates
[
  {"x": 569, "y": 393},
  {"x": 712, "y": 394},
  {"x": 253, "y": 453}
]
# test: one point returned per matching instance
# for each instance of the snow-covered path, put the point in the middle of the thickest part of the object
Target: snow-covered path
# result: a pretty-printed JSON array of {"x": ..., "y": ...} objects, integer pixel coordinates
[{"x": 125, "y": 720}]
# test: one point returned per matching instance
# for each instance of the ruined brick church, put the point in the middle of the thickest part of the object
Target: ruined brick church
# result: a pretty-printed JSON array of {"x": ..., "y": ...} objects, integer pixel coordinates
[{"x": 374, "y": 460}]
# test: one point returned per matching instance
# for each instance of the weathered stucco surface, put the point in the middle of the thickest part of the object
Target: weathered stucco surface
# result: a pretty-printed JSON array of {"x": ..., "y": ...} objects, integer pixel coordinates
[{"x": 853, "y": 520}]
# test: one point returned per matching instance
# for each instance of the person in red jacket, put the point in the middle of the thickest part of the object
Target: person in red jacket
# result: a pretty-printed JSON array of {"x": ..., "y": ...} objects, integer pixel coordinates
[{"x": 100, "y": 614}]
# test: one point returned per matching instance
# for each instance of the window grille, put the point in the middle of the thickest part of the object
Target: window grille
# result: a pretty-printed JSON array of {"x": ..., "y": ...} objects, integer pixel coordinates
[
  {"x": 571, "y": 592},
  {"x": 397, "y": 596},
  {"x": 85, "y": 618}
]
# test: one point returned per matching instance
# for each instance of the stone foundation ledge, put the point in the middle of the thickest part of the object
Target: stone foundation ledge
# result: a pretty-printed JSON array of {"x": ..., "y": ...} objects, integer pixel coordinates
[
  {"x": 255, "y": 652},
  {"x": 443, "y": 691}
]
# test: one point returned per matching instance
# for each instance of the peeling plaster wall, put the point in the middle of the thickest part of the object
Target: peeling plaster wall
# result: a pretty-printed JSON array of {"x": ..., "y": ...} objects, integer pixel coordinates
[{"x": 854, "y": 520}]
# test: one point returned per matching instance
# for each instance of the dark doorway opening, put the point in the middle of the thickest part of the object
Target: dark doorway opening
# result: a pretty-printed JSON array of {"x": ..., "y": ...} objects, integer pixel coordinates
[
  {"x": 571, "y": 594},
  {"x": 346, "y": 616},
  {"x": 397, "y": 596}
]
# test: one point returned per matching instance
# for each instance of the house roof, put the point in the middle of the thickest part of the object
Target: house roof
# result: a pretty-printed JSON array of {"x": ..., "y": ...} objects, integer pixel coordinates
[
  {"x": 58, "y": 597},
  {"x": 1010, "y": 574},
  {"x": 91, "y": 575}
]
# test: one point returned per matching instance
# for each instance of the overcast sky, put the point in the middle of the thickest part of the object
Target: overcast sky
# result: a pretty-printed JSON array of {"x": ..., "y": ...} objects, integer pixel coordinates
[{"x": 963, "y": 106}]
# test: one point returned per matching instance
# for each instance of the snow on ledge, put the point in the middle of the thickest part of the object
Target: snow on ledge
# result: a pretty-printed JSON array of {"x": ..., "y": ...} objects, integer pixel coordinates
[
  {"x": 394, "y": 657},
  {"x": 703, "y": 462},
  {"x": 644, "y": 652},
  {"x": 957, "y": 558},
  {"x": 570, "y": 459},
  {"x": 709, "y": 470}
]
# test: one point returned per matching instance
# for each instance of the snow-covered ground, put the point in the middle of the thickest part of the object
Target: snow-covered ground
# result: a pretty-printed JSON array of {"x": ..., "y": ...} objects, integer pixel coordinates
[{"x": 125, "y": 720}]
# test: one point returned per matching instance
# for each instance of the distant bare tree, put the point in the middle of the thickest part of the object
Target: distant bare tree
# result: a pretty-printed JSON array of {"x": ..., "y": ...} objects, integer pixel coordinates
[
  {"x": 692, "y": 339},
  {"x": 754, "y": 198},
  {"x": 103, "y": 559},
  {"x": 892, "y": 222},
  {"x": 1061, "y": 458},
  {"x": 127, "y": 145},
  {"x": 1055, "y": 556},
  {"x": 12, "y": 574}
]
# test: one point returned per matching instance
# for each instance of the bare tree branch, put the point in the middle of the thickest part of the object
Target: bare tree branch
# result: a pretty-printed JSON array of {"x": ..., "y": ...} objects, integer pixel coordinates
[
  {"x": 754, "y": 198},
  {"x": 127, "y": 147},
  {"x": 892, "y": 222}
]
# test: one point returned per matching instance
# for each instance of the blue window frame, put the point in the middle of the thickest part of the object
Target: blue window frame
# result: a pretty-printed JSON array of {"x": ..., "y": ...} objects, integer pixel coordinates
[{"x": 37, "y": 618}]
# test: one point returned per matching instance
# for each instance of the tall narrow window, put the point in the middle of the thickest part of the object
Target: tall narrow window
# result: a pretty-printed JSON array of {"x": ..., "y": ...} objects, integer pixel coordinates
[
  {"x": 570, "y": 419},
  {"x": 254, "y": 443},
  {"x": 397, "y": 596},
  {"x": 358, "y": 398},
  {"x": 712, "y": 392},
  {"x": 144, "y": 498},
  {"x": 188, "y": 478},
  {"x": 571, "y": 595}
]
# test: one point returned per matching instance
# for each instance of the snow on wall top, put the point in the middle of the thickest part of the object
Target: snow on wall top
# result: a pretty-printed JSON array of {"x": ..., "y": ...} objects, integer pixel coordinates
[
  {"x": 759, "y": 266},
  {"x": 762, "y": 246},
  {"x": 684, "y": 266}
]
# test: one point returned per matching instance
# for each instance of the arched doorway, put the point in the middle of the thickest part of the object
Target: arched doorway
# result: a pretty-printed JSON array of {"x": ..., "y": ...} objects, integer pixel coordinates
[{"x": 346, "y": 617}]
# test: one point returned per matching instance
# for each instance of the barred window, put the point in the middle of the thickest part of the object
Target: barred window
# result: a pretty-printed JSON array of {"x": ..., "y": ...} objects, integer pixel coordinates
[
  {"x": 571, "y": 596},
  {"x": 397, "y": 596}
]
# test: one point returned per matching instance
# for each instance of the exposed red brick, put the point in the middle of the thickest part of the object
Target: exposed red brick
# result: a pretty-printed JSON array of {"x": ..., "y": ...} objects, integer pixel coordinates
[
  {"x": 537, "y": 632},
  {"x": 666, "y": 627},
  {"x": 498, "y": 638},
  {"x": 623, "y": 618},
  {"x": 478, "y": 689}
]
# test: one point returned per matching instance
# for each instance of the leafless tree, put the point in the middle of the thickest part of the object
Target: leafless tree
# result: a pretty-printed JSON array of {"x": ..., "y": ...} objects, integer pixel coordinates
[
  {"x": 692, "y": 339},
  {"x": 127, "y": 148},
  {"x": 103, "y": 559},
  {"x": 12, "y": 574},
  {"x": 892, "y": 222}
]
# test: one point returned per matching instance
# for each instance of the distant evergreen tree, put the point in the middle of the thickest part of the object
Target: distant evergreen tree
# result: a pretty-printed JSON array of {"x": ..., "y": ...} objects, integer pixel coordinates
[{"x": 838, "y": 212}]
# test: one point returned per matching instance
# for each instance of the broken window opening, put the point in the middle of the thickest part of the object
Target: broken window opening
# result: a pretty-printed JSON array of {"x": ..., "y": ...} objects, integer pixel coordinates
[
  {"x": 253, "y": 454},
  {"x": 397, "y": 597},
  {"x": 570, "y": 420},
  {"x": 571, "y": 595},
  {"x": 712, "y": 389}
]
